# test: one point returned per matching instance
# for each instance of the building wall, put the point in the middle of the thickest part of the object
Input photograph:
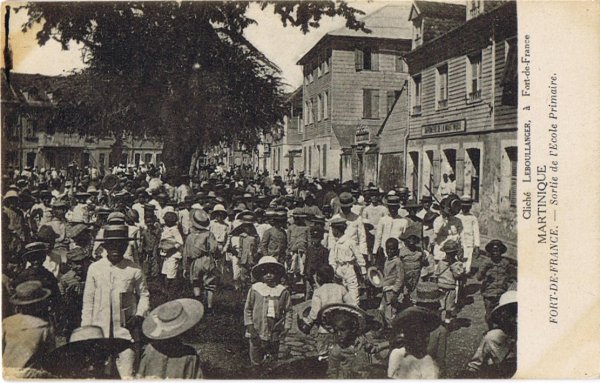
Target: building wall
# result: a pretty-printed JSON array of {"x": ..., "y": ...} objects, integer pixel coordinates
[
  {"x": 484, "y": 153},
  {"x": 348, "y": 83}
]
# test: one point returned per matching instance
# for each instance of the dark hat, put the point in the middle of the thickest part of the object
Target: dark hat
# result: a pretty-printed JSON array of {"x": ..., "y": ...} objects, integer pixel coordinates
[
  {"x": 172, "y": 318},
  {"x": 346, "y": 199},
  {"x": 451, "y": 204},
  {"x": 82, "y": 194},
  {"x": 330, "y": 313},
  {"x": 45, "y": 193},
  {"x": 466, "y": 200},
  {"x": 317, "y": 219},
  {"x": 410, "y": 233},
  {"x": 451, "y": 246},
  {"x": 267, "y": 263},
  {"x": 200, "y": 219},
  {"x": 246, "y": 216},
  {"x": 28, "y": 293},
  {"x": 392, "y": 200},
  {"x": 115, "y": 233},
  {"x": 495, "y": 244},
  {"x": 412, "y": 204},
  {"x": 59, "y": 204},
  {"x": 36, "y": 249},
  {"x": 280, "y": 214},
  {"x": 416, "y": 319},
  {"x": 299, "y": 214},
  {"x": 426, "y": 199},
  {"x": 103, "y": 210}
]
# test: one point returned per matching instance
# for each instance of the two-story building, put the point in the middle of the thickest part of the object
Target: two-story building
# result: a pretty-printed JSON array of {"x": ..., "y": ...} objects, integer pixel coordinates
[
  {"x": 463, "y": 108},
  {"x": 29, "y": 139},
  {"x": 351, "y": 80},
  {"x": 286, "y": 147}
]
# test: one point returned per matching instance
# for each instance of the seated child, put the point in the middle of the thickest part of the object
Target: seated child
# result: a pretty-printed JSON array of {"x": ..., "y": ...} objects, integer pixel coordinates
[{"x": 351, "y": 357}]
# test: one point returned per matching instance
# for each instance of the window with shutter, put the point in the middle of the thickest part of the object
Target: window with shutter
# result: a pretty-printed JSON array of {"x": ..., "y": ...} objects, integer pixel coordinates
[
  {"x": 358, "y": 59},
  {"x": 400, "y": 63},
  {"x": 319, "y": 108},
  {"x": 374, "y": 60},
  {"x": 511, "y": 154},
  {"x": 366, "y": 103},
  {"x": 325, "y": 105},
  {"x": 374, "y": 103}
]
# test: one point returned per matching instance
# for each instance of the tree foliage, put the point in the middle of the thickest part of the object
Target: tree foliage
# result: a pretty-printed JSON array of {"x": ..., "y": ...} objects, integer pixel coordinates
[{"x": 179, "y": 71}]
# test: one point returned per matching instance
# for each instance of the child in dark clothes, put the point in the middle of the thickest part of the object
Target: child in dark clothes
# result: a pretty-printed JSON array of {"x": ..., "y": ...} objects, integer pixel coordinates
[
  {"x": 413, "y": 260},
  {"x": 316, "y": 256}
]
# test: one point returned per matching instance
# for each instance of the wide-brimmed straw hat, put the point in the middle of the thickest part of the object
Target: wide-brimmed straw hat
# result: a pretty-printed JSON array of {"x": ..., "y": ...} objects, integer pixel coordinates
[
  {"x": 416, "y": 319},
  {"x": 328, "y": 315},
  {"x": 28, "y": 293},
  {"x": 451, "y": 246},
  {"x": 375, "y": 276},
  {"x": 391, "y": 200},
  {"x": 172, "y": 318},
  {"x": 265, "y": 264},
  {"x": 506, "y": 304},
  {"x": 83, "y": 340},
  {"x": 200, "y": 219}
]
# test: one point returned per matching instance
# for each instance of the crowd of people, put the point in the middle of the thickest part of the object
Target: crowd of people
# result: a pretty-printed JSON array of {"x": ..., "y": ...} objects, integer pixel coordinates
[{"x": 81, "y": 246}]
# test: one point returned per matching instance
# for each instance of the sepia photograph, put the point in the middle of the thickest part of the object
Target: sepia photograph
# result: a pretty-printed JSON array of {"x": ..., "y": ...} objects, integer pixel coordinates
[{"x": 260, "y": 190}]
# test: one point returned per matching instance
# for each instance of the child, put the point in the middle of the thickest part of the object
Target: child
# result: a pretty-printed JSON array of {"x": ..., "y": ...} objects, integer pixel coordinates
[
  {"x": 316, "y": 257},
  {"x": 219, "y": 227},
  {"x": 274, "y": 241},
  {"x": 325, "y": 294},
  {"x": 198, "y": 258},
  {"x": 345, "y": 258},
  {"x": 298, "y": 236},
  {"x": 351, "y": 355},
  {"x": 448, "y": 271},
  {"x": 411, "y": 360},
  {"x": 167, "y": 357},
  {"x": 496, "y": 274},
  {"x": 393, "y": 280},
  {"x": 170, "y": 249},
  {"x": 470, "y": 235},
  {"x": 71, "y": 286},
  {"x": 241, "y": 249},
  {"x": 268, "y": 311},
  {"x": 413, "y": 260}
]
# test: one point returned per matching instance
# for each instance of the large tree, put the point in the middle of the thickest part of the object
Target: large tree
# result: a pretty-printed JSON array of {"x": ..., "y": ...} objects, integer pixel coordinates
[{"x": 179, "y": 71}]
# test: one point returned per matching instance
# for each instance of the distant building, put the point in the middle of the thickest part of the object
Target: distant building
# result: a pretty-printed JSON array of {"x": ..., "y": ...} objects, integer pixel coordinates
[
  {"x": 351, "y": 80},
  {"x": 286, "y": 145},
  {"x": 30, "y": 140},
  {"x": 463, "y": 107}
]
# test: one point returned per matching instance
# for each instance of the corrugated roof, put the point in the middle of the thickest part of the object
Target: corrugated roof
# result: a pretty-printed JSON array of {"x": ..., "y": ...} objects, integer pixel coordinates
[
  {"x": 440, "y": 10},
  {"x": 388, "y": 22}
]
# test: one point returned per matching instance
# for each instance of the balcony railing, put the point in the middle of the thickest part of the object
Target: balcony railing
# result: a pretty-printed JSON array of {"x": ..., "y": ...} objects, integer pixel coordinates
[
  {"x": 474, "y": 96},
  {"x": 416, "y": 109},
  {"x": 442, "y": 104}
]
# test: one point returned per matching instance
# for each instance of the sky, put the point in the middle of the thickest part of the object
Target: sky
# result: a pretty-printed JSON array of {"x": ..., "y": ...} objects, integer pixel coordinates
[{"x": 282, "y": 45}]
